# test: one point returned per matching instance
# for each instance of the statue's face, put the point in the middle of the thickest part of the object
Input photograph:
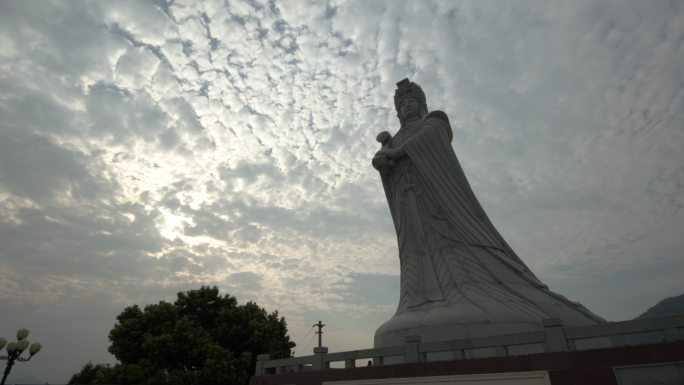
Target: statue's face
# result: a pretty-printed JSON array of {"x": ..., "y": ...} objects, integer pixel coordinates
[{"x": 409, "y": 108}]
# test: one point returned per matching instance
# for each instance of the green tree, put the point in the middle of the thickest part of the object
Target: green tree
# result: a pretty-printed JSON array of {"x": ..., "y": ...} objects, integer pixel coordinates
[
  {"x": 95, "y": 374},
  {"x": 202, "y": 338}
]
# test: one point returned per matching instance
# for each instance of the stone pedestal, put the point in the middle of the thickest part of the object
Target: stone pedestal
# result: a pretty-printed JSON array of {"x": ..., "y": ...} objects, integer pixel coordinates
[{"x": 448, "y": 321}]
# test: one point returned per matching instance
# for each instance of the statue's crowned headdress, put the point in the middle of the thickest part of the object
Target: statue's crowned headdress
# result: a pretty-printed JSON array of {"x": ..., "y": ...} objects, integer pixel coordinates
[{"x": 407, "y": 88}]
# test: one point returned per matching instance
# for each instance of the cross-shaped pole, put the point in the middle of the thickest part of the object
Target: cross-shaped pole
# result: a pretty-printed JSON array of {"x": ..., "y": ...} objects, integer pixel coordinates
[{"x": 319, "y": 332}]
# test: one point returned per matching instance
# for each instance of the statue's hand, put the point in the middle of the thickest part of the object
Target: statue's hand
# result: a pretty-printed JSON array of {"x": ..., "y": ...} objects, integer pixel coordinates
[
  {"x": 383, "y": 137},
  {"x": 382, "y": 164},
  {"x": 389, "y": 153}
]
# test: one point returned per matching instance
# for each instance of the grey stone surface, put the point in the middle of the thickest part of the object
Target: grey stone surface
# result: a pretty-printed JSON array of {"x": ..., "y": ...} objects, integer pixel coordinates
[{"x": 459, "y": 278}]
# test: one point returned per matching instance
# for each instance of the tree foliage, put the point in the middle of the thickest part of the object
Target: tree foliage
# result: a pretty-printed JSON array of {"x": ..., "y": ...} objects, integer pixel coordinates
[
  {"x": 94, "y": 374},
  {"x": 202, "y": 338}
]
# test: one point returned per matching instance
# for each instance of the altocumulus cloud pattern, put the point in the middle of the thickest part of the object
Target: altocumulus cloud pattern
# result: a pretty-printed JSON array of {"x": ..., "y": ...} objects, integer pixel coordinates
[{"x": 152, "y": 147}]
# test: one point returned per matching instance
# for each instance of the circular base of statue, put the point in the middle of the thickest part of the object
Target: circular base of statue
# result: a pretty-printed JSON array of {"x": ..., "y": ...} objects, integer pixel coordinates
[{"x": 434, "y": 322}]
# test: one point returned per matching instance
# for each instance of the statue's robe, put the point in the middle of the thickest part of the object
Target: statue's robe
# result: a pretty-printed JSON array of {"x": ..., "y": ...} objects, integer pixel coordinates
[{"x": 456, "y": 270}]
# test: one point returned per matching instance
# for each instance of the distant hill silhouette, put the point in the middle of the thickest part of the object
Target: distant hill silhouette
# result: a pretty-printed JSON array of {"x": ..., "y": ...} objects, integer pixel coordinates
[{"x": 668, "y": 306}]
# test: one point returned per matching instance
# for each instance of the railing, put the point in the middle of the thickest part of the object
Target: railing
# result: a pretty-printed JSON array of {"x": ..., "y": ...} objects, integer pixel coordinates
[{"x": 552, "y": 338}]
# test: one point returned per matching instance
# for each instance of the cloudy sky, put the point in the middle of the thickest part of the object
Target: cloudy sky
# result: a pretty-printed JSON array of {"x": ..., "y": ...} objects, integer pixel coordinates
[{"x": 152, "y": 147}]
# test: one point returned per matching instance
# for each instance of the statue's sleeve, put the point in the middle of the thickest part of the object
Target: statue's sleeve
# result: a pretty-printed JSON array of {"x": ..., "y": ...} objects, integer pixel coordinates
[{"x": 436, "y": 161}]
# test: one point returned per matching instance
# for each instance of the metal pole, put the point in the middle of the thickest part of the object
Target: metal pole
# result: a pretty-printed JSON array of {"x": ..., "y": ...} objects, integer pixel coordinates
[
  {"x": 319, "y": 332},
  {"x": 10, "y": 362}
]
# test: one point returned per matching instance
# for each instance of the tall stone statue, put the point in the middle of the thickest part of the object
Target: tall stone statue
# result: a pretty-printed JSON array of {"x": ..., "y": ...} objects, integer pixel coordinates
[{"x": 459, "y": 278}]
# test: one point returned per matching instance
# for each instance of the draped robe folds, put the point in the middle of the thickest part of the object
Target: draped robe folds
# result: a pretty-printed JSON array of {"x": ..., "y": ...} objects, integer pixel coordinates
[{"x": 456, "y": 270}]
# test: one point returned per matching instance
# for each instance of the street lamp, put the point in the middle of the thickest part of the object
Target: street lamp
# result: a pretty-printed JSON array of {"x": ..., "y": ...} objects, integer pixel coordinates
[{"x": 14, "y": 350}]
